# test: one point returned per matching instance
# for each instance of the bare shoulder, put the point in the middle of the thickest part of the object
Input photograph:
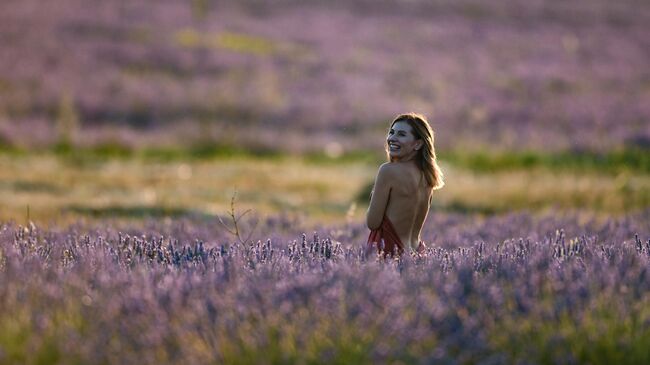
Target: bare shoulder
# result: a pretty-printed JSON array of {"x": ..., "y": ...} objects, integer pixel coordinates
[{"x": 389, "y": 170}]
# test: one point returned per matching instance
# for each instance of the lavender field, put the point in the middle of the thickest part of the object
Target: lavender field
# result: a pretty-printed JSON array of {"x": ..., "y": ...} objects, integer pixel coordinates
[
  {"x": 513, "y": 289},
  {"x": 299, "y": 76},
  {"x": 129, "y": 131}
]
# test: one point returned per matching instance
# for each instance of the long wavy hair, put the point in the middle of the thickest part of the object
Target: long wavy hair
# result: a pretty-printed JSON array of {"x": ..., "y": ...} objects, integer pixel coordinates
[{"x": 426, "y": 158}]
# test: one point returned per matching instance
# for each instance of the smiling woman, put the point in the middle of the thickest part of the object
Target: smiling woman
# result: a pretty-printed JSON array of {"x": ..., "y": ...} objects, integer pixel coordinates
[{"x": 402, "y": 193}]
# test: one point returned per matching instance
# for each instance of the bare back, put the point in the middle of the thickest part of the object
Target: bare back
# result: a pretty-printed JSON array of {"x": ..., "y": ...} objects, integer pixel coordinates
[{"x": 403, "y": 196}]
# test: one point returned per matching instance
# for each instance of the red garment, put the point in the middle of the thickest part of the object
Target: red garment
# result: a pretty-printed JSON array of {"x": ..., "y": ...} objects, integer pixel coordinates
[{"x": 385, "y": 239}]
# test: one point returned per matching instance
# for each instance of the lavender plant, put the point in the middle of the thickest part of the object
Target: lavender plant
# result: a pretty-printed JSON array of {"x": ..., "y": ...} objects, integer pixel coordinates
[{"x": 508, "y": 289}]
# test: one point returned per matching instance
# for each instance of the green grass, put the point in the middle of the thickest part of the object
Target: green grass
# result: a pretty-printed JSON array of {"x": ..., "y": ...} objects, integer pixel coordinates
[
  {"x": 110, "y": 181},
  {"x": 634, "y": 160},
  {"x": 137, "y": 211},
  {"x": 199, "y": 151},
  {"x": 64, "y": 187},
  {"x": 611, "y": 162}
]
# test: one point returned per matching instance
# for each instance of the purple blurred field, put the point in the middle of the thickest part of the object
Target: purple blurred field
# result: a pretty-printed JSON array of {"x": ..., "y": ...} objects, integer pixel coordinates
[
  {"x": 295, "y": 76},
  {"x": 511, "y": 289},
  {"x": 148, "y": 276}
]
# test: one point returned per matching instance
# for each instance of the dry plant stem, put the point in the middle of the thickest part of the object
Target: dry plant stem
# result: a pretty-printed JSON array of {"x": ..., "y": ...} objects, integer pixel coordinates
[{"x": 235, "y": 231}]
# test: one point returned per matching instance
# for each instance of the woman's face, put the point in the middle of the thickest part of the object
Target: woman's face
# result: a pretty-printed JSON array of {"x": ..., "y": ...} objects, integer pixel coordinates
[{"x": 402, "y": 144}]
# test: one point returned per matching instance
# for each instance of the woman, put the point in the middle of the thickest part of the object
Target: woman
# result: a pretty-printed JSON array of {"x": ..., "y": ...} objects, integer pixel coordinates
[{"x": 401, "y": 197}]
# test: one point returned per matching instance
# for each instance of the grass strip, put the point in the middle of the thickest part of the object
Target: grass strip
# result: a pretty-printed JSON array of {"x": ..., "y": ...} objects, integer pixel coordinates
[
  {"x": 630, "y": 159},
  {"x": 611, "y": 162}
]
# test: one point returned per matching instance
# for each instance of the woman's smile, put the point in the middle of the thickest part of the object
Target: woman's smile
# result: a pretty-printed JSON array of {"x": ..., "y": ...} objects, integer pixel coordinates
[{"x": 401, "y": 141}]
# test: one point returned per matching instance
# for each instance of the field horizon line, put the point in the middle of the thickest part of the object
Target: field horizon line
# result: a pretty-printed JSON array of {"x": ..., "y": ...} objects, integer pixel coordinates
[{"x": 625, "y": 159}]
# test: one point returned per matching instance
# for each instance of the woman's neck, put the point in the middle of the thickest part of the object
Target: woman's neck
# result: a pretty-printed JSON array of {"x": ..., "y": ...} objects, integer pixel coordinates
[
  {"x": 405, "y": 159},
  {"x": 408, "y": 158}
]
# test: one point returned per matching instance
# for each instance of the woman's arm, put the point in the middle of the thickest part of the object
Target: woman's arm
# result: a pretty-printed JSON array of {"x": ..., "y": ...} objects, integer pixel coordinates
[{"x": 379, "y": 196}]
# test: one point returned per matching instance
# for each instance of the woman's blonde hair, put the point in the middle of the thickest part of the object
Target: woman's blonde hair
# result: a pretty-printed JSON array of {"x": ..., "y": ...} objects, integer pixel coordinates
[{"x": 426, "y": 158}]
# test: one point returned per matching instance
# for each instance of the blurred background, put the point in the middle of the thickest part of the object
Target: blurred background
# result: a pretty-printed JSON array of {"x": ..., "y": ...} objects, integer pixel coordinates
[{"x": 163, "y": 109}]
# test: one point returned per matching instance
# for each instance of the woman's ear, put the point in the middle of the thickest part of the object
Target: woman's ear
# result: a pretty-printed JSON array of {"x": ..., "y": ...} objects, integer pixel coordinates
[{"x": 418, "y": 145}]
